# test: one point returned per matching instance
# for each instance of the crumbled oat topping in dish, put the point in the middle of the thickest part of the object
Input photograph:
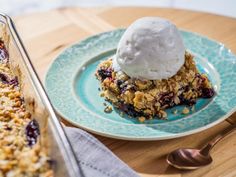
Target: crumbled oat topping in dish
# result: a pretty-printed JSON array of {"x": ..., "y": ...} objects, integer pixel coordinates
[
  {"x": 108, "y": 109},
  {"x": 185, "y": 110},
  {"x": 150, "y": 98},
  {"x": 21, "y": 154},
  {"x": 175, "y": 112},
  {"x": 141, "y": 119}
]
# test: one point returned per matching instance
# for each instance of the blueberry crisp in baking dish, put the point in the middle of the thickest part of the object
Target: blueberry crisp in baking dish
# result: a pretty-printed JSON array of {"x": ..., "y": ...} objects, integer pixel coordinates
[
  {"x": 20, "y": 151},
  {"x": 152, "y": 71}
]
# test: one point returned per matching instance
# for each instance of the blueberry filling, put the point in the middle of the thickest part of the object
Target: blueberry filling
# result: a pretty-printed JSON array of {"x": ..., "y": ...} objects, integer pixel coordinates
[
  {"x": 130, "y": 110},
  {"x": 104, "y": 73},
  {"x": 52, "y": 163},
  {"x": 208, "y": 92},
  {"x": 191, "y": 102},
  {"x": 3, "y": 53},
  {"x": 32, "y": 132},
  {"x": 119, "y": 83},
  {"x": 6, "y": 80},
  {"x": 188, "y": 102},
  {"x": 8, "y": 128},
  {"x": 205, "y": 93},
  {"x": 167, "y": 99},
  {"x": 14, "y": 81}
]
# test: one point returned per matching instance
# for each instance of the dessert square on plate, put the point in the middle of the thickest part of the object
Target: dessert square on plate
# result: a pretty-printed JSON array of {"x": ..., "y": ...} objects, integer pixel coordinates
[{"x": 146, "y": 99}]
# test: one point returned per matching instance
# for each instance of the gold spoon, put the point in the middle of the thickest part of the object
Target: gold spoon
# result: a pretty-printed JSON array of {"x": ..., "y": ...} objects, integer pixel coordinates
[{"x": 190, "y": 159}]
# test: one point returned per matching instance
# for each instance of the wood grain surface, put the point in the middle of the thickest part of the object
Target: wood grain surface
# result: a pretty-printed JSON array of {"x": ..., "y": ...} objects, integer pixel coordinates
[{"x": 46, "y": 34}]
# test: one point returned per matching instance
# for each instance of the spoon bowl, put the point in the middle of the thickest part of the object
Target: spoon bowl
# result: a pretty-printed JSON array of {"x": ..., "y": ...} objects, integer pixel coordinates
[{"x": 188, "y": 159}]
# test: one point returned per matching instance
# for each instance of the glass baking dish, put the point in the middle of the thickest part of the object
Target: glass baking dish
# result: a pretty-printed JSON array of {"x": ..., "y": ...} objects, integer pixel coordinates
[{"x": 52, "y": 136}]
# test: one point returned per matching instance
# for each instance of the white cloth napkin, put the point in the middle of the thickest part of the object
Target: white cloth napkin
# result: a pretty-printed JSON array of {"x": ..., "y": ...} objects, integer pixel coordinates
[{"x": 94, "y": 158}]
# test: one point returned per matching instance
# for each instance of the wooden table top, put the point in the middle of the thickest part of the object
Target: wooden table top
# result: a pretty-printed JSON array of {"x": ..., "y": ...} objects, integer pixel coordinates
[{"x": 46, "y": 34}]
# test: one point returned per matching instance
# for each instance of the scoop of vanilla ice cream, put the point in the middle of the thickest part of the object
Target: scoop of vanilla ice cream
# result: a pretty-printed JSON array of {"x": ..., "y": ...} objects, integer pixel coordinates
[{"x": 151, "y": 48}]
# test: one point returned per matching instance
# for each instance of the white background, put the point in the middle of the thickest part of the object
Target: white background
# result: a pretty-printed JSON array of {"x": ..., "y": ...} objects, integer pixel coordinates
[{"x": 16, "y": 7}]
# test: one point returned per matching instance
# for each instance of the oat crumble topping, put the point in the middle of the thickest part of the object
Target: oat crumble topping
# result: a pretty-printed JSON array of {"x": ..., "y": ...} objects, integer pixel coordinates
[
  {"x": 108, "y": 109},
  {"x": 185, "y": 110}
]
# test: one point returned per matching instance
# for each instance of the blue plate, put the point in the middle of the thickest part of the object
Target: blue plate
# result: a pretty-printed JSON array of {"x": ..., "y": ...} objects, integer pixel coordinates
[{"x": 73, "y": 90}]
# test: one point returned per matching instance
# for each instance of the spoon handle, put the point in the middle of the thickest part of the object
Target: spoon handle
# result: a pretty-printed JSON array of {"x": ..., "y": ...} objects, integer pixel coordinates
[{"x": 206, "y": 149}]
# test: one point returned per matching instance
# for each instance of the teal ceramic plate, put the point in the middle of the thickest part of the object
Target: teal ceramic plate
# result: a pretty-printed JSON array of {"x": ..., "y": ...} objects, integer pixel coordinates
[{"x": 73, "y": 90}]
